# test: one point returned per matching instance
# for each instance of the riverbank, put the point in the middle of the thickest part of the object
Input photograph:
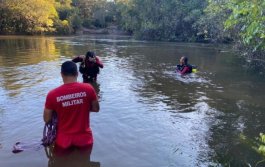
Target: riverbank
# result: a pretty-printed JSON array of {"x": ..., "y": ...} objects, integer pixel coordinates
[{"x": 111, "y": 30}]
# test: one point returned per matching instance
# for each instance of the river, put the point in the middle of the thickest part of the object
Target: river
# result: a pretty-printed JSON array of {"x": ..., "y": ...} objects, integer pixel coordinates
[{"x": 149, "y": 116}]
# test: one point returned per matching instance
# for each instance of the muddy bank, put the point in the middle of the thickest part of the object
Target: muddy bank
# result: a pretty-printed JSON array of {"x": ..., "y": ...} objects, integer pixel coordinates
[{"x": 113, "y": 30}]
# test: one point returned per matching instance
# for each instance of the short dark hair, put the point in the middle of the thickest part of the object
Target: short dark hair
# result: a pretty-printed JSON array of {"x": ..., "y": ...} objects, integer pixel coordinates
[
  {"x": 69, "y": 68},
  {"x": 90, "y": 54},
  {"x": 185, "y": 59}
]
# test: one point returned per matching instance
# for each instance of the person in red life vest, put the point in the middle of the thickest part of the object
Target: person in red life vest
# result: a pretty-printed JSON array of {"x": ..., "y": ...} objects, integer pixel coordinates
[
  {"x": 72, "y": 102},
  {"x": 184, "y": 68},
  {"x": 89, "y": 67}
]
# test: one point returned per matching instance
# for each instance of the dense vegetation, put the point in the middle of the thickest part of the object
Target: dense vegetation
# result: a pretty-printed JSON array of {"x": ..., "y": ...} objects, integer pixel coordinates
[
  {"x": 50, "y": 16},
  {"x": 239, "y": 21},
  {"x": 242, "y": 21}
]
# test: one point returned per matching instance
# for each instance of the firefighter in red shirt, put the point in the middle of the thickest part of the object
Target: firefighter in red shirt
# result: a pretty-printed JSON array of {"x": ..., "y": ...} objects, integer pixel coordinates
[
  {"x": 89, "y": 67},
  {"x": 72, "y": 102}
]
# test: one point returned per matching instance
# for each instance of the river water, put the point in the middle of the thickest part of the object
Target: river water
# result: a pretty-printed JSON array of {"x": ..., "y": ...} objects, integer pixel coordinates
[{"x": 149, "y": 116}]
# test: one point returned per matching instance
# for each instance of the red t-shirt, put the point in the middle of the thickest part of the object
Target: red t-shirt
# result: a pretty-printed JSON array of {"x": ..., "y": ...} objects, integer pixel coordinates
[{"x": 72, "y": 103}]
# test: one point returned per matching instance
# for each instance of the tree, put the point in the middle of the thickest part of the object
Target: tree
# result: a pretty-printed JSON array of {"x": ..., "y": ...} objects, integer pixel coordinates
[
  {"x": 211, "y": 23},
  {"x": 68, "y": 21},
  {"x": 161, "y": 19},
  {"x": 28, "y": 16},
  {"x": 248, "y": 18}
]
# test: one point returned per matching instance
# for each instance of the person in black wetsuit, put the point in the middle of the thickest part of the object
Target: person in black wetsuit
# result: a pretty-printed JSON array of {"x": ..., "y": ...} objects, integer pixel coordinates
[
  {"x": 89, "y": 67},
  {"x": 184, "y": 68}
]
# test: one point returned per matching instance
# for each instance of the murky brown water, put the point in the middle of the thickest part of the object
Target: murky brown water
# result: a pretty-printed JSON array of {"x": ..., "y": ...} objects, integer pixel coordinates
[{"x": 149, "y": 116}]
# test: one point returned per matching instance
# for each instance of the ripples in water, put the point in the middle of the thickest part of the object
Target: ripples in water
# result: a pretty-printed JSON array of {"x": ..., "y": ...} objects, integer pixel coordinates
[
  {"x": 189, "y": 78},
  {"x": 149, "y": 114}
]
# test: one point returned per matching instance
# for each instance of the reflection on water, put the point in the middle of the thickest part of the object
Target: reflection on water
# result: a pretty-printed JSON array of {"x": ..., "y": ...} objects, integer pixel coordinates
[
  {"x": 150, "y": 116},
  {"x": 16, "y": 51},
  {"x": 70, "y": 158}
]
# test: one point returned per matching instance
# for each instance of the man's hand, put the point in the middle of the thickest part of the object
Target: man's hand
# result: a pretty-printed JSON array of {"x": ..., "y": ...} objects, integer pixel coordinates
[
  {"x": 92, "y": 59},
  {"x": 94, "y": 106},
  {"x": 47, "y": 115}
]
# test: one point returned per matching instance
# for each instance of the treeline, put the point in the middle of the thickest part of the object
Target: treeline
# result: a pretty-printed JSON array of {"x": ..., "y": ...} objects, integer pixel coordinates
[
  {"x": 239, "y": 21},
  {"x": 52, "y": 16}
]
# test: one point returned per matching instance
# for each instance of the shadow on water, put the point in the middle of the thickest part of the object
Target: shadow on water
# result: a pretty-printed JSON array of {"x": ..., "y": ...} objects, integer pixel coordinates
[{"x": 73, "y": 157}]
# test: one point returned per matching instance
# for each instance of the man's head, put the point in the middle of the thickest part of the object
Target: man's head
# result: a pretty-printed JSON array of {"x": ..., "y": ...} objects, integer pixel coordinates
[
  {"x": 183, "y": 60},
  {"x": 69, "y": 69},
  {"x": 90, "y": 56}
]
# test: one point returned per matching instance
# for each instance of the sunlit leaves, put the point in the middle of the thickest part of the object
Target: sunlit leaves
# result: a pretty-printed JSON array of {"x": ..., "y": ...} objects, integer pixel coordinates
[
  {"x": 248, "y": 17},
  {"x": 258, "y": 144},
  {"x": 30, "y": 16}
]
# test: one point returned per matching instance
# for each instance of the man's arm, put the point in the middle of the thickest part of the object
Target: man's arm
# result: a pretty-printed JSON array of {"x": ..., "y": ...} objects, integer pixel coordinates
[
  {"x": 94, "y": 106},
  {"x": 47, "y": 115},
  {"x": 178, "y": 68},
  {"x": 78, "y": 59},
  {"x": 99, "y": 63},
  {"x": 185, "y": 70}
]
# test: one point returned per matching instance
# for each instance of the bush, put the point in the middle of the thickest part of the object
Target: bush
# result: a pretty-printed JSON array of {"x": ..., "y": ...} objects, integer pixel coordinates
[{"x": 63, "y": 27}]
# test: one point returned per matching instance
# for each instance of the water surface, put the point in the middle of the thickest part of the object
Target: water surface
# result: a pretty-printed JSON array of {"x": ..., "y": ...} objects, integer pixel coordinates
[{"x": 149, "y": 115}]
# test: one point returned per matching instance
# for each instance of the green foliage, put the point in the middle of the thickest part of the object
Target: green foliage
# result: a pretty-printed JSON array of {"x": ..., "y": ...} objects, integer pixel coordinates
[
  {"x": 69, "y": 20},
  {"x": 86, "y": 7},
  {"x": 160, "y": 20},
  {"x": 76, "y": 22},
  {"x": 248, "y": 18},
  {"x": 62, "y": 27},
  {"x": 258, "y": 144},
  {"x": 240, "y": 21},
  {"x": 18, "y": 16},
  {"x": 64, "y": 12},
  {"x": 211, "y": 23},
  {"x": 260, "y": 147},
  {"x": 6, "y": 23},
  {"x": 95, "y": 12},
  {"x": 53, "y": 16},
  {"x": 87, "y": 23}
]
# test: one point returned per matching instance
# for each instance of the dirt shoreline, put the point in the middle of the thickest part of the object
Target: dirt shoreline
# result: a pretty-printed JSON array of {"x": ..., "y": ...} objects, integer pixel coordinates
[{"x": 113, "y": 30}]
